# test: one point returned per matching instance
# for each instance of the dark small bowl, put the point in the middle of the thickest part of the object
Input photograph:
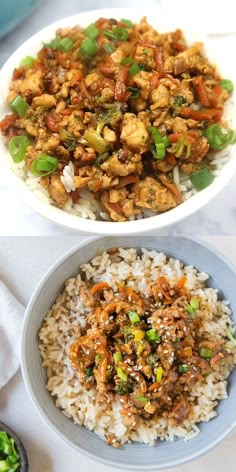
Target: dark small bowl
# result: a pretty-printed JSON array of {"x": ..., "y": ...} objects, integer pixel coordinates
[{"x": 23, "y": 456}]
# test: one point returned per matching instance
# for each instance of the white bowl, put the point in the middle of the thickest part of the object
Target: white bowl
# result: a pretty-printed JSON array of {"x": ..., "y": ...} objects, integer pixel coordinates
[{"x": 31, "y": 47}]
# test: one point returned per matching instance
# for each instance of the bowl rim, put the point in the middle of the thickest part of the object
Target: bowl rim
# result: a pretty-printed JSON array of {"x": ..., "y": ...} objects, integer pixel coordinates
[
  {"x": 84, "y": 225},
  {"x": 41, "y": 410}
]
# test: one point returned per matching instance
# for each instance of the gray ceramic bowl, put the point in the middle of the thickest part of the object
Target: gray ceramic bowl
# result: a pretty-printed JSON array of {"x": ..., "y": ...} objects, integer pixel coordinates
[{"x": 137, "y": 457}]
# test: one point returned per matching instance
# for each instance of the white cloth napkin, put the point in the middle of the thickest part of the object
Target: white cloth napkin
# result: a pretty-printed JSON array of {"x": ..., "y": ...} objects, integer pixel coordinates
[{"x": 11, "y": 316}]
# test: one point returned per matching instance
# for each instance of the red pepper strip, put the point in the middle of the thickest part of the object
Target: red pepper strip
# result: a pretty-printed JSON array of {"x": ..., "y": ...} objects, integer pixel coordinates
[
  {"x": 178, "y": 46},
  {"x": 170, "y": 159},
  {"x": 120, "y": 88},
  {"x": 174, "y": 137},
  {"x": 216, "y": 97},
  {"x": 200, "y": 88},
  {"x": 99, "y": 286},
  {"x": 8, "y": 121},
  {"x": 18, "y": 74},
  {"x": 159, "y": 62},
  {"x": 199, "y": 115},
  {"x": 116, "y": 207},
  {"x": 52, "y": 121},
  {"x": 128, "y": 179},
  {"x": 146, "y": 44},
  {"x": 154, "y": 80}
]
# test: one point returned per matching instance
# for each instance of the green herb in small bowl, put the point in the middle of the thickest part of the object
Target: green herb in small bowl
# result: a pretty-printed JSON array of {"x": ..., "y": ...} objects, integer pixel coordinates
[{"x": 13, "y": 457}]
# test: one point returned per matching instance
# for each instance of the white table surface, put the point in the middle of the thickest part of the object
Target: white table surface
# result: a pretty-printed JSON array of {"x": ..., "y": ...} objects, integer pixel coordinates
[
  {"x": 23, "y": 262},
  {"x": 219, "y": 216}
]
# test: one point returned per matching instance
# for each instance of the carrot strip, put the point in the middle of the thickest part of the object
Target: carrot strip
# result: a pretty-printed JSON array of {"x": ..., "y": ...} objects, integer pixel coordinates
[
  {"x": 159, "y": 61},
  {"x": 8, "y": 121},
  {"x": 178, "y": 46},
  {"x": 120, "y": 88},
  {"x": 170, "y": 159},
  {"x": 216, "y": 97},
  {"x": 77, "y": 78},
  {"x": 154, "y": 80},
  {"x": 200, "y": 88},
  {"x": 99, "y": 286},
  {"x": 181, "y": 282},
  {"x": 128, "y": 179},
  {"x": 116, "y": 207},
  {"x": 154, "y": 386},
  {"x": 199, "y": 115}
]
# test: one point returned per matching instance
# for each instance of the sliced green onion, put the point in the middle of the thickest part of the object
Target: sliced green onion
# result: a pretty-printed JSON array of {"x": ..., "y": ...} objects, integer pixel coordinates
[
  {"x": 89, "y": 47},
  {"x": 118, "y": 34},
  {"x": 152, "y": 335},
  {"x": 141, "y": 399},
  {"x": 109, "y": 48},
  {"x": 190, "y": 311},
  {"x": 227, "y": 85},
  {"x": 206, "y": 353},
  {"x": 183, "y": 368},
  {"x": 117, "y": 357},
  {"x": 110, "y": 34},
  {"x": 19, "y": 105},
  {"x": 9, "y": 457},
  {"x": 65, "y": 44},
  {"x": 202, "y": 179},
  {"x": 194, "y": 304},
  {"x": 91, "y": 31},
  {"x": 127, "y": 23},
  {"x": 133, "y": 316},
  {"x": 160, "y": 143},
  {"x": 230, "y": 336},
  {"x": 44, "y": 165},
  {"x": 135, "y": 67},
  {"x": 135, "y": 92},
  {"x": 159, "y": 374},
  {"x": 121, "y": 374},
  {"x": 98, "y": 357},
  {"x": 217, "y": 138},
  {"x": 27, "y": 61},
  {"x": 192, "y": 307},
  {"x": 121, "y": 33},
  {"x": 53, "y": 43},
  {"x": 160, "y": 150},
  {"x": 17, "y": 147}
]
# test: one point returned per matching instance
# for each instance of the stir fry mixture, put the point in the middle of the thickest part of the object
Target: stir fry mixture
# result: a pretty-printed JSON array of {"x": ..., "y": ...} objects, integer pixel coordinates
[
  {"x": 114, "y": 108},
  {"x": 148, "y": 353}
]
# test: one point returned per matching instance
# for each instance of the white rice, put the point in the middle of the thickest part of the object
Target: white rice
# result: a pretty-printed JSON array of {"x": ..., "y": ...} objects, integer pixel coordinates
[{"x": 83, "y": 407}]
